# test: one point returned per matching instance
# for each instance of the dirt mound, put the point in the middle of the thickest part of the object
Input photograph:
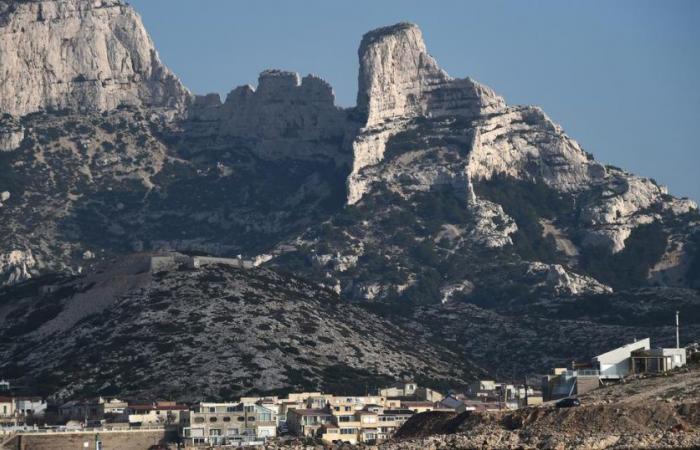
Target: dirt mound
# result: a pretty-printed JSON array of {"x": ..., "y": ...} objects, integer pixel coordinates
[
  {"x": 652, "y": 417},
  {"x": 611, "y": 419}
]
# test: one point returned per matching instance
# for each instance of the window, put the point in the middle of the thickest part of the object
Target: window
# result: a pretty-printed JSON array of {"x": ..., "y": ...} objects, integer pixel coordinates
[
  {"x": 251, "y": 419},
  {"x": 347, "y": 408},
  {"x": 213, "y": 419},
  {"x": 227, "y": 419},
  {"x": 199, "y": 420},
  {"x": 344, "y": 418},
  {"x": 212, "y": 409},
  {"x": 214, "y": 432},
  {"x": 240, "y": 419},
  {"x": 230, "y": 409},
  {"x": 347, "y": 431}
]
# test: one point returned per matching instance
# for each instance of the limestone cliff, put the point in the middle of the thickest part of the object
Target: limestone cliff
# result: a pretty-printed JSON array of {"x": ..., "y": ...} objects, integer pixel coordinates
[
  {"x": 89, "y": 55},
  {"x": 399, "y": 81},
  {"x": 285, "y": 117}
]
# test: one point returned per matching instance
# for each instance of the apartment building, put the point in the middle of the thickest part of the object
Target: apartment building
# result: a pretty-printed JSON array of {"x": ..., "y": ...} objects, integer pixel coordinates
[
  {"x": 372, "y": 424},
  {"x": 308, "y": 422},
  {"x": 229, "y": 424},
  {"x": 156, "y": 413}
]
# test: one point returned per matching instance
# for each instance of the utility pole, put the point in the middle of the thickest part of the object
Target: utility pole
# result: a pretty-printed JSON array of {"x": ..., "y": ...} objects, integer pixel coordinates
[{"x": 678, "y": 333}]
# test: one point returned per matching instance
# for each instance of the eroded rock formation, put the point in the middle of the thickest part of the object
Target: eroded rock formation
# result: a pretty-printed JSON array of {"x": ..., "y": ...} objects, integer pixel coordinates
[{"x": 87, "y": 55}]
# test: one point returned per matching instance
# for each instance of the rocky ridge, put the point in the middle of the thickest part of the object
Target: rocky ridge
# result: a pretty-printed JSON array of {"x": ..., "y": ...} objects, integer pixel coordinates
[{"x": 80, "y": 54}]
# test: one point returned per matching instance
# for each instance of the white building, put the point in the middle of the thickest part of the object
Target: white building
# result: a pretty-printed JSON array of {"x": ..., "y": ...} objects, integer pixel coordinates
[
  {"x": 30, "y": 406},
  {"x": 615, "y": 364}
]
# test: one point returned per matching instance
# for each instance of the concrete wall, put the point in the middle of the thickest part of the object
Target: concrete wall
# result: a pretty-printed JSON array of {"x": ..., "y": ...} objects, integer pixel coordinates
[{"x": 122, "y": 440}]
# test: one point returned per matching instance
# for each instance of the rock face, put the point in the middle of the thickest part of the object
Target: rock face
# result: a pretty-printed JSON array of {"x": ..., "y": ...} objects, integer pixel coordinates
[
  {"x": 80, "y": 55},
  {"x": 285, "y": 117},
  {"x": 16, "y": 266},
  {"x": 11, "y": 133},
  {"x": 398, "y": 81}
]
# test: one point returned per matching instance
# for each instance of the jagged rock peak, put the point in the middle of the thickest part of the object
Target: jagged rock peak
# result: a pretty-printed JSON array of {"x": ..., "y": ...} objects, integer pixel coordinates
[
  {"x": 399, "y": 81},
  {"x": 286, "y": 115},
  {"x": 82, "y": 55},
  {"x": 398, "y": 78}
]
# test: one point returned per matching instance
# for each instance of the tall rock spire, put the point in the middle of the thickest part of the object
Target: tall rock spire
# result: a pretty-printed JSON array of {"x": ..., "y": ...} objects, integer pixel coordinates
[
  {"x": 399, "y": 81},
  {"x": 82, "y": 55}
]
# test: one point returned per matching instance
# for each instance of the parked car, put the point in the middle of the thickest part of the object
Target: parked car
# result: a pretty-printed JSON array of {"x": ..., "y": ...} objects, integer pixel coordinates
[{"x": 568, "y": 402}]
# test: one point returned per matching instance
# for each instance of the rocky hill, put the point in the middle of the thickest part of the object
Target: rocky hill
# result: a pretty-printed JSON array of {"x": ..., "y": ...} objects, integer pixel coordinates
[
  {"x": 215, "y": 332},
  {"x": 659, "y": 412},
  {"x": 432, "y": 203}
]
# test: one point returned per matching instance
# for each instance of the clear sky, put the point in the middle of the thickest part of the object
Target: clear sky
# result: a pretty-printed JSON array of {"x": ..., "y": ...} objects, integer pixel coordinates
[{"x": 621, "y": 77}]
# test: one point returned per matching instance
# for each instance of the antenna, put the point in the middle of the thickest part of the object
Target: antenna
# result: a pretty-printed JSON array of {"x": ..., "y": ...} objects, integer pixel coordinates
[{"x": 678, "y": 334}]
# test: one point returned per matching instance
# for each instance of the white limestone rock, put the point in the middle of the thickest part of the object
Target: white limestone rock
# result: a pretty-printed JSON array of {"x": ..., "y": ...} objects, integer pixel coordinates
[
  {"x": 492, "y": 227},
  {"x": 448, "y": 292},
  {"x": 563, "y": 282},
  {"x": 285, "y": 117},
  {"x": 523, "y": 143},
  {"x": 80, "y": 55},
  {"x": 398, "y": 81},
  {"x": 16, "y": 266}
]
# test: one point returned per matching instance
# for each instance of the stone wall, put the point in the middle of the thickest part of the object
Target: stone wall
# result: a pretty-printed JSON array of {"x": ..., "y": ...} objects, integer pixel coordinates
[{"x": 111, "y": 440}]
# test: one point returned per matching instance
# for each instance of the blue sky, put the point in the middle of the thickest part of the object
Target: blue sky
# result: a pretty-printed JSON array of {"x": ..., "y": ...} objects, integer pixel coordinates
[{"x": 621, "y": 77}]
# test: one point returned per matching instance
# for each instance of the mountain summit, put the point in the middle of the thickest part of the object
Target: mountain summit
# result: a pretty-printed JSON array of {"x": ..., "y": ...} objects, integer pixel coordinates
[{"x": 82, "y": 55}]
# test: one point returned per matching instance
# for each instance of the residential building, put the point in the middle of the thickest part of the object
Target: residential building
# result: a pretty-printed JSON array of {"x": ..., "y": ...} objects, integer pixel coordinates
[
  {"x": 229, "y": 424},
  {"x": 569, "y": 382},
  {"x": 114, "y": 407},
  {"x": 7, "y": 408},
  {"x": 615, "y": 364},
  {"x": 657, "y": 360},
  {"x": 308, "y": 422},
  {"x": 30, "y": 406},
  {"x": 90, "y": 410},
  {"x": 479, "y": 386},
  {"x": 428, "y": 395},
  {"x": 156, "y": 413},
  {"x": 369, "y": 425},
  {"x": 390, "y": 420},
  {"x": 401, "y": 389}
]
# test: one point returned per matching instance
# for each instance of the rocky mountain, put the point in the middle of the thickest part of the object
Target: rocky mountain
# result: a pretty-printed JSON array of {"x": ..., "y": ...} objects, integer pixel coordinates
[
  {"x": 80, "y": 55},
  {"x": 217, "y": 331},
  {"x": 453, "y": 193},
  {"x": 430, "y": 202}
]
